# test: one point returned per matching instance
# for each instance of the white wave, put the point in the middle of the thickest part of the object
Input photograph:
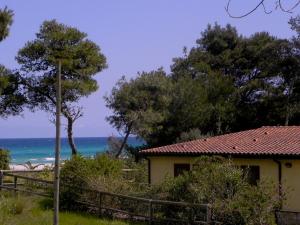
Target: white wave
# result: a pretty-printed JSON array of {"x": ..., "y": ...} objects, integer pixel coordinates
[{"x": 49, "y": 159}]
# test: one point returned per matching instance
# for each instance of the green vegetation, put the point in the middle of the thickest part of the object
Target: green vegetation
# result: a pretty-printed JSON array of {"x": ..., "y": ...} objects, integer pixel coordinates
[
  {"x": 213, "y": 180},
  {"x": 30, "y": 211},
  {"x": 102, "y": 173},
  {"x": 225, "y": 83},
  {"x": 11, "y": 96},
  {"x": 78, "y": 171},
  {"x": 140, "y": 105},
  {"x": 217, "y": 181},
  {"x": 81, "y": 61},
  {"x": 6, "y": 20},
  {"x": 4, "y": 159}
]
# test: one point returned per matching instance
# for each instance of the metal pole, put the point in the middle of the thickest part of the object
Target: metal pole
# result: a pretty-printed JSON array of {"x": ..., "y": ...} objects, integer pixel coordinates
[{"x": 57, "y": 146}]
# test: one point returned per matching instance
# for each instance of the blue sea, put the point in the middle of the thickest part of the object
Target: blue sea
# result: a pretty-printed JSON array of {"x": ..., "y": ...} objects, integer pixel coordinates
[{"x": 41, "y": 150}]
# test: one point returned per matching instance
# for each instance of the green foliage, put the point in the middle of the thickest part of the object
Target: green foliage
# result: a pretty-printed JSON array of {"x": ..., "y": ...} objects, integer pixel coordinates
[
  {"x": 140, "y": 105},
  {"x": 81, "y": 60},
  {"x": 217, "y": 181},
  {"x": 114, "y": 145},
  {"x": 77, "y": 172},
  {"x": 82, "y": 177},
  {"x": 263, "y": 73},
  {"x": 186, "y": 111},
  {"x": 6, "y": 20},
  {"x": 255, "y": 204},
  {"x": 4, "y": 159},
  {"x": 138, "y": 171},
  {"x": 11, "y": 96},
  {"x": 225, "y": 83}
]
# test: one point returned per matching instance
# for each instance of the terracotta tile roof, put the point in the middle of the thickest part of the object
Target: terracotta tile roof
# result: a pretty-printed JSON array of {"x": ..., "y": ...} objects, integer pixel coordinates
[{"x": 279, "y": 140}]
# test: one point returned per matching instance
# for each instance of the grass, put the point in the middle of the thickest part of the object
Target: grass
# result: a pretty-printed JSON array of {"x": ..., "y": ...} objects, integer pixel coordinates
[{"x": 28, "y": 211}]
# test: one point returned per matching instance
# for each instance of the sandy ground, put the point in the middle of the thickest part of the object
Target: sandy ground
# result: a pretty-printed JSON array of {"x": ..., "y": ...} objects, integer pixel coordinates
[{"x": 37, "y": 167}]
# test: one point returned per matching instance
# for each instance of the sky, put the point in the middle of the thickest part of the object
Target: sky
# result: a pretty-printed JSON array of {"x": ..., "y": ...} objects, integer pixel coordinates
[{"x": 134, "y": 35}]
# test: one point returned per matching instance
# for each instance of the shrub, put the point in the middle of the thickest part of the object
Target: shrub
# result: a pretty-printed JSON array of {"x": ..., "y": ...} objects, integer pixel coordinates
[
  {"x": 138, "y": 171},
  {"x": 77, "y": 172},
  {"x": 217, "y": 181},
  {"x": 4, "y": 159}
]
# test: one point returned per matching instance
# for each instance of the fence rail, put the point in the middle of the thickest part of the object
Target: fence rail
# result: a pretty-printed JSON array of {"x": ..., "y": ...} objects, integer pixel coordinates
[
  {"x": 149, "y": 210},
  {"x": 15, "y": 185},
  {"x": 102, "y": 203}
]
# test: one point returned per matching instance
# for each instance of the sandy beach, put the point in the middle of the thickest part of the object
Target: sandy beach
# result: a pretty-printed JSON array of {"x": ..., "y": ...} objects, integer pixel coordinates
[{"x": 36, "y": 166}]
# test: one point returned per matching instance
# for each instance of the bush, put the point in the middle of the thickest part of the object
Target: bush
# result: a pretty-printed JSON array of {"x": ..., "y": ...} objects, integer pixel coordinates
[
  {"x": 78, "y": 172},
  {"x": 217, "y": 181},
  {"x": 4, "y": 159}
]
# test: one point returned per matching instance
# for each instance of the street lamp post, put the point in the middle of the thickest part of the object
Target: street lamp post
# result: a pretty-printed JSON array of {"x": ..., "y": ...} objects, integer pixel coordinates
[{"x": 57, "y": 146}]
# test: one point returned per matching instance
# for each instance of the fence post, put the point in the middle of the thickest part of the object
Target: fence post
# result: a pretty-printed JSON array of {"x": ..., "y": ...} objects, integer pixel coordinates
[
  {"x": 1, "y": 178},
  {"x": 191, "y": 215},
  {"x": 208, "y": 214},
  {"x": 150, "y": 212},
  {"x": 15, "y": 183},
  {"x": 100, "y": 204}
]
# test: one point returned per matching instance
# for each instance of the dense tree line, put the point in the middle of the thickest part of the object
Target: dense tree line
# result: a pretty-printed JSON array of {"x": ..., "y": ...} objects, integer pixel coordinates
[{"x": 225, "y": 83}]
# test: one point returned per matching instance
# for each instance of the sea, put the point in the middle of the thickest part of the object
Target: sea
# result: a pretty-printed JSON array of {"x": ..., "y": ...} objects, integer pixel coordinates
[{"x": 41, "y": 150}]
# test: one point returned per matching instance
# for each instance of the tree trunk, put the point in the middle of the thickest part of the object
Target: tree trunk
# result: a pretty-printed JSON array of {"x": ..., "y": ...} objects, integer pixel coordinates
[
  {"x": 219, "y": 125},
  {"x": 288, "y": 105},
  {"x": 124, "y": 141},
  {"x": 287, "y": 116},
  {"x": 70, "y": 136}
]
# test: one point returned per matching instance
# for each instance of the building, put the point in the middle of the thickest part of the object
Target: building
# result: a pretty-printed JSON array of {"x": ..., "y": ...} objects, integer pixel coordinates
[{"x": 271, "y": 153}]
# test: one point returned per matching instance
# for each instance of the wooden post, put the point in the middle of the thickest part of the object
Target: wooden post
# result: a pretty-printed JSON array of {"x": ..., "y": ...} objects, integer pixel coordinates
[
  {"x": 150, "y": 212},
  {"x": 191, "y": 215},
  {"x": 1, "y": 178},
  {"x": 100, "y": 204},
  {"x": 15, "y": 183},
  {"x": 208, "y": 214}
]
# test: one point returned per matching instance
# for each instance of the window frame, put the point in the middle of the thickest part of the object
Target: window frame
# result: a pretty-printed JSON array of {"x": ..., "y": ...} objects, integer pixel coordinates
[
  {"x": 183, "y": 167},
  {"x": 253, "y": 173}
]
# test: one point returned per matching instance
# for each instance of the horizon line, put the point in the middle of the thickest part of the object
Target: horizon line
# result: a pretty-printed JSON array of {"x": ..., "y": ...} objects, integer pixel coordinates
[{"x": 63, "y": 137}]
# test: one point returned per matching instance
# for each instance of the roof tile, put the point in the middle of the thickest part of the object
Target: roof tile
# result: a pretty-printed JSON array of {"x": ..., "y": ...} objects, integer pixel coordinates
[{"x": 270, "y": 140}]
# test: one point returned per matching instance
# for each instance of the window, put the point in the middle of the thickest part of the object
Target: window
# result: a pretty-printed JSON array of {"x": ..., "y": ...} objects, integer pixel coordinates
[
  {"x": 179, "y": 169},
  {"x": 252, "y": 174}
]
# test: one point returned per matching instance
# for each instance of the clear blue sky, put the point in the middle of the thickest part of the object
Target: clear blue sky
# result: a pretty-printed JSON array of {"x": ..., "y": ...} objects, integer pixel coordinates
[{"x": 134, "y": 35}]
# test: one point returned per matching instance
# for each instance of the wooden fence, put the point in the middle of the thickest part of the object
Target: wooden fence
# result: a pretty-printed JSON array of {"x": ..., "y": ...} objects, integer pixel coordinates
[
  {"x": 287, "y": 218},
  {"x": 150, "y": 210},
  {"x": 29, "y": 184},
  {"x": 117, "y": 205}
]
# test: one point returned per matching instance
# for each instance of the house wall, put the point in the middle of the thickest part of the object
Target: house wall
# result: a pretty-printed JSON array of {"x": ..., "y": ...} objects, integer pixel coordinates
[
  {"x": 163, "y": 166},
  {"x": 291, "y": 185}
]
